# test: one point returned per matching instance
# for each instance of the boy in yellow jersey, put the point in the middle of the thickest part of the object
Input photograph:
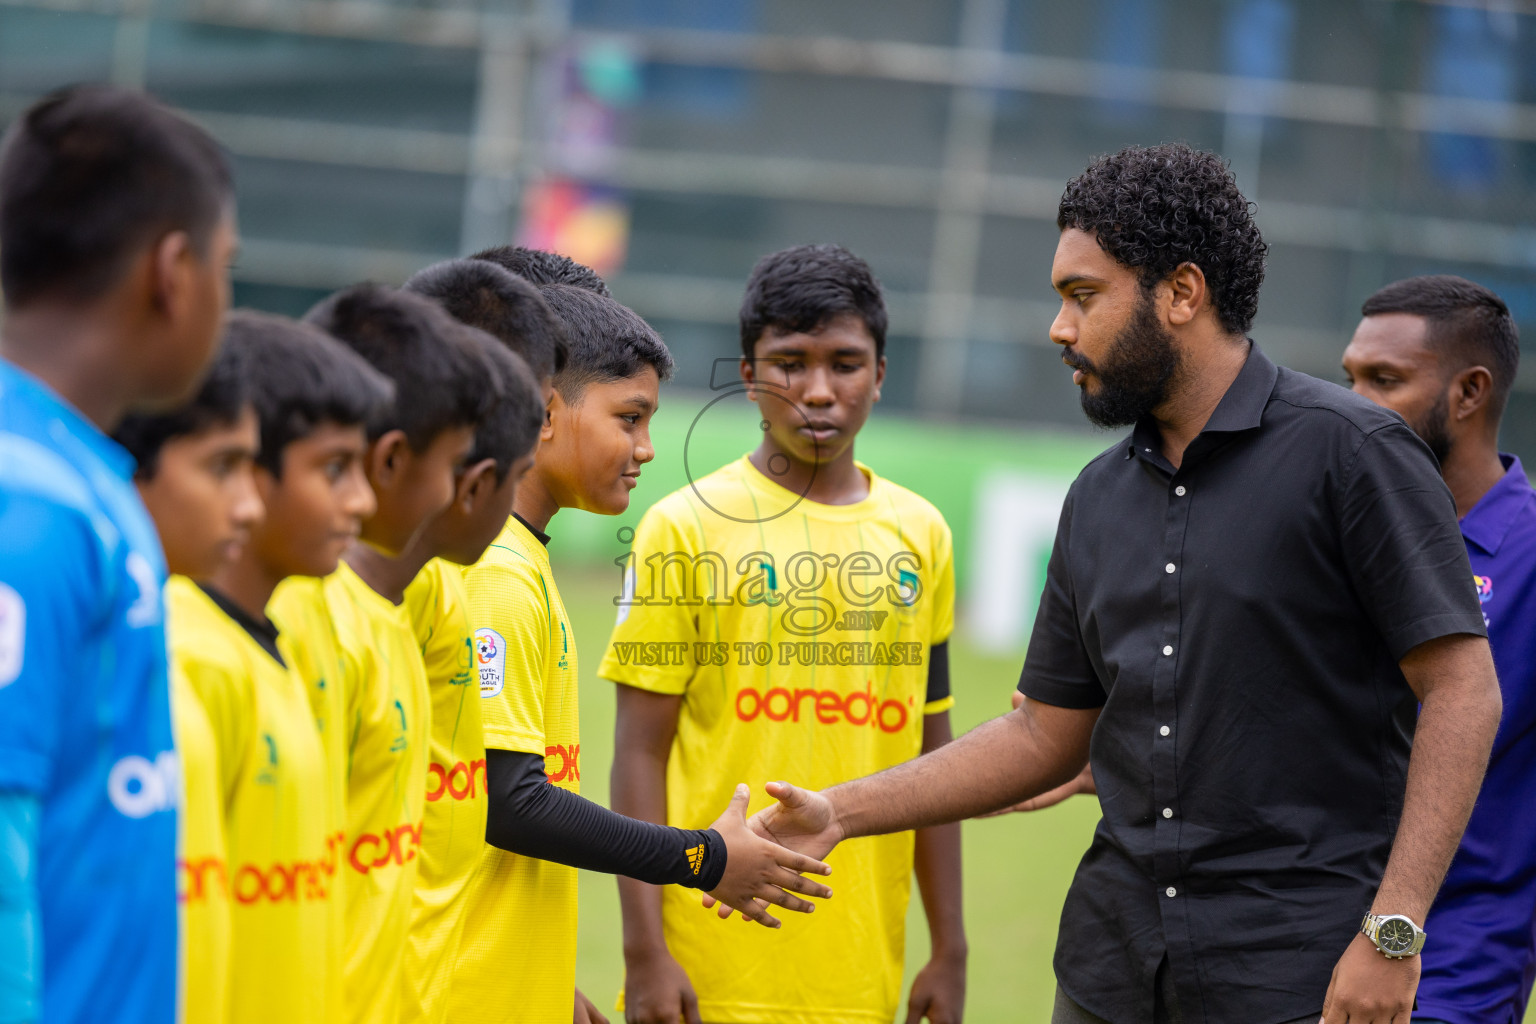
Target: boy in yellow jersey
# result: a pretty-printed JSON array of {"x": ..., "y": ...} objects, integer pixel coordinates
[
  {"x": 523, "y": 343},
  {"x": 516, "y": 960},
  {"x": 272, "y": 788},
  {"x": 515, "y": 319},
  {"x": 313, "y": 397},
  {"x": 377, "y": 688},
  {"x": 805, "y": 604},
  {"x": 194, "y": 473}
]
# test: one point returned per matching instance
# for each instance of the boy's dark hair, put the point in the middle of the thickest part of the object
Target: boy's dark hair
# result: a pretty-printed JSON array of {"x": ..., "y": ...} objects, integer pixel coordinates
[
  {"x": 224, "y": 395},
  {"x": 434, "y": 360},
  {"x": 607, "y": 341},
  {"x": 301, "y": 378},
  {"x": 91, "y": 174},
  {"x": 511, "y": 429},
  {"x": 542, "y": 267},
  {"x": 482, "y": 294},
  {"x": 799, "y": 290},
  {"x": 1468, "y": 325},
  {"x": 1155, "y": 208}
]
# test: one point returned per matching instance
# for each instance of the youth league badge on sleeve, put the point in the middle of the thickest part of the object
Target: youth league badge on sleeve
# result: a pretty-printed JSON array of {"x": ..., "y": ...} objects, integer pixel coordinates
[
  {"x": 491, "y": 660},
  {"x": 13, "y": 634}
]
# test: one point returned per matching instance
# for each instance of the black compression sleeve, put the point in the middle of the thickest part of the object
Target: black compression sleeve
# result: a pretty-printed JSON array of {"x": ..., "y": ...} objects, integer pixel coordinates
[
  {"x": 938, "y": 672},
  {"x": 531, "y": 817}
]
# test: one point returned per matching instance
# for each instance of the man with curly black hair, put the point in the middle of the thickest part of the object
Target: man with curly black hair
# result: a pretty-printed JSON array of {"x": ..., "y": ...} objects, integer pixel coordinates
[
  {"x": 1249, "y": 600},
  {"x": 1151, "y": 211}
]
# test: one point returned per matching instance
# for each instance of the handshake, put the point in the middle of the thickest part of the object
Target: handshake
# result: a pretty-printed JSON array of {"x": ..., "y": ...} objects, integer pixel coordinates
[
  {"x": 769, "y": 856},
  {"x": 769, "y": 853}
]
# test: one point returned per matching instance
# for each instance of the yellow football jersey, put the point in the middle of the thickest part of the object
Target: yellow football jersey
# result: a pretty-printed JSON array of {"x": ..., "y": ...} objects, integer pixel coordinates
[
  {"x": 276, "y": 813},
  {"x": 798, "y": 636},
  {"x": 308, "y": 644},
  {"x": 453, "y": 828},
  {"x": 202, "y": 892},
  {"x": 517, "y": 957},
  {"x": 380, "y": 702}
]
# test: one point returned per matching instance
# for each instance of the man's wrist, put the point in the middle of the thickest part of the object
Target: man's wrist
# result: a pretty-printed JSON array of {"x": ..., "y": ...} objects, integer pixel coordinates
[
  {"x": 1394, "y": 936},
  {"x": 840, "y": 824},
  {"x": 1388, "y": 905}
]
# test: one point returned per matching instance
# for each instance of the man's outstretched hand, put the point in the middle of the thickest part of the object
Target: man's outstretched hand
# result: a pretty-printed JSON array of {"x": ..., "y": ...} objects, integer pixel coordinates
[
  {"x": 802, "y": 821},
  {"x": 760, "y": 871}
]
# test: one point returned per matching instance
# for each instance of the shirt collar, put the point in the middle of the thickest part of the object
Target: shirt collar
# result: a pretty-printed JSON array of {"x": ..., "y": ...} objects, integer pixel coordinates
[
  {"x": 19, "y": 384},
  {"x": 1241, "y": 408},
  {"x": 263, "y": 631},
  {"x": 1490, "y": 520},
  {"x": 538, "y": 535}
]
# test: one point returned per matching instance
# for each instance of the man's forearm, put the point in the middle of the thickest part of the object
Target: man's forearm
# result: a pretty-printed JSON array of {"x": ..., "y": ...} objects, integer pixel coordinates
[
  {"x": 1001, "y": 762},
  {"x": 1456, "y": 727}
]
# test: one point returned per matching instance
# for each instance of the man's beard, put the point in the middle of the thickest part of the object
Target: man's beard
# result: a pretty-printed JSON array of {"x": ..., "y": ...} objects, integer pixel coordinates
[
  {"x": 1434, "y": 430},
  {"x": 1136, "y": 373}
]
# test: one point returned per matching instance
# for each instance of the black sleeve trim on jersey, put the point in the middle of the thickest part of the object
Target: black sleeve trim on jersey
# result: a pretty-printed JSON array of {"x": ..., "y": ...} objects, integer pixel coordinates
[
  {"x": 938, "y": 672},
  {"x": 533, "y": 818}
]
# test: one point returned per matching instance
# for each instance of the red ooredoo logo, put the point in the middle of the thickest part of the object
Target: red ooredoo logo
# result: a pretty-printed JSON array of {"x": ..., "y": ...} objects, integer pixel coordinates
[
  {"x": 829, "y": 707},
  {"x": 279, "y": 882},
  {"x": 569, "y": 763},
  {"x": 397, "y": 845},
  {"x": 457, "y": 782}
]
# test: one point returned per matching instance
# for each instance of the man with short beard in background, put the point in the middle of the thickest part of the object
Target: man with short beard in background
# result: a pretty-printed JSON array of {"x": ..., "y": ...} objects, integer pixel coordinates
[{"x": 1442, "y": 352}]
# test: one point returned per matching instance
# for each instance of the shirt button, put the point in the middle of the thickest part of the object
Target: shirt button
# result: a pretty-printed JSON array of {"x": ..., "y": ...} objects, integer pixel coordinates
[
  {"x": 1164, "y": 731},
  {"x": 1168, "y": 567},
  {"x": 1171, "y": 891},
  {"x": 1179, "y": 490},
  {"x": 1167, "y": 650},
  {"x": 1167, "y": 812}
]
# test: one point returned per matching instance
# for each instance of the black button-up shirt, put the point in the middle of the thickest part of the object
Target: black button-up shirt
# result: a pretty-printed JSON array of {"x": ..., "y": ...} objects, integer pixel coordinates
[{"x": 1240, "y": 620}]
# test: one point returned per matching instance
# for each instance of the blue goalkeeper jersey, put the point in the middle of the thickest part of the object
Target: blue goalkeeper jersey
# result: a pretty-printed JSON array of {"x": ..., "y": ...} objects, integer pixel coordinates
[{"x": 85, "y": 723}]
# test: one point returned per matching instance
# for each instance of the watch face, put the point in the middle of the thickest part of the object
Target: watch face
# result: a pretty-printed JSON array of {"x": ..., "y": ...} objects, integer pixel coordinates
[{"x": 1395, "y": 936}]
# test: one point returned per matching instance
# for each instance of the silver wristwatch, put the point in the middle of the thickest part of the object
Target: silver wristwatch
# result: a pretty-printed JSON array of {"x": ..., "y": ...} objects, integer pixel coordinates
[{"x": 1395, "y": 936}]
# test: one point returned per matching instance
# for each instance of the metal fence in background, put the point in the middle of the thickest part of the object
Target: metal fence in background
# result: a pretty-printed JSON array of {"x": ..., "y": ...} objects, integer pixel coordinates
[{"x": 675, "y": 141}]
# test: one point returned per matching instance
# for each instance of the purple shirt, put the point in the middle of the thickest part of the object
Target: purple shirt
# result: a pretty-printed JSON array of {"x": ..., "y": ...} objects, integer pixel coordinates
[{"x": 1480, "y": 956}]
